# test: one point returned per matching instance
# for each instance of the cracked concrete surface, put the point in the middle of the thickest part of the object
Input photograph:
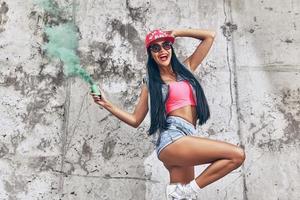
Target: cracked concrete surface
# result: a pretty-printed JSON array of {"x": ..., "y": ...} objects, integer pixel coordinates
[{"x": 57, "y": 144}]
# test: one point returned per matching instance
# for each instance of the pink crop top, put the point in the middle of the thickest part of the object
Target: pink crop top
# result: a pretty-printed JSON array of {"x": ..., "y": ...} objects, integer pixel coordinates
[{"x": 180, "y": 94}]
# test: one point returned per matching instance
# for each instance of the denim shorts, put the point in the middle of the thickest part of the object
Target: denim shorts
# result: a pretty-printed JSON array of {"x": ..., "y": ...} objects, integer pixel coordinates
[{"x": 178, "y": 127}]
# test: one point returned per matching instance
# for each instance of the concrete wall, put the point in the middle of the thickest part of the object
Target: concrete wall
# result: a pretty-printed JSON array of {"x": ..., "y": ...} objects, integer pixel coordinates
[{"x": 57, "y": 144}]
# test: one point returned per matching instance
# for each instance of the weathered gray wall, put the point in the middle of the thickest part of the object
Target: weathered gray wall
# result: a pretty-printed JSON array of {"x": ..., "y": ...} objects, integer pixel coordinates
[{"x": 57, "y": 144}]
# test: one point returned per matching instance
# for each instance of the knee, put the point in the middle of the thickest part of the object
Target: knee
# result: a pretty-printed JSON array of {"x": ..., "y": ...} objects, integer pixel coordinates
[{"x": 239, "y": 156}]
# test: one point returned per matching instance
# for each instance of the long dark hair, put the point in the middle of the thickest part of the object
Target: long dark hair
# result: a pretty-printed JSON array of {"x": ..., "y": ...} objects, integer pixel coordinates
[{"x": 157, "y": 106}]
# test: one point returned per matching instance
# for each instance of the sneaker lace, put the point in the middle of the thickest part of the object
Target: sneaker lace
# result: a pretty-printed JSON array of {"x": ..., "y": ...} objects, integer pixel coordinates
[{"x": 190, "y": 193}]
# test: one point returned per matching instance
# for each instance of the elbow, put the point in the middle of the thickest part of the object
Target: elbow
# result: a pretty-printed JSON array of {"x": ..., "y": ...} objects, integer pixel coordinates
[
  {"x": 136, "y": 124},
  {"x": 210, "y": 36},
  {"x": 213, "y": 34}
]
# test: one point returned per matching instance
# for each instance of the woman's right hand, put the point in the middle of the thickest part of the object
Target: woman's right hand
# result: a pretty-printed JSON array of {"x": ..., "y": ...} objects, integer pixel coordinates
[
  {"x": 171, "y": 32},
  {"x": 101, "y": 100}
]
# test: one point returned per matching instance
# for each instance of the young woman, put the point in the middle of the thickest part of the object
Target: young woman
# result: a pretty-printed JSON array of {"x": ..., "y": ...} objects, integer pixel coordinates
[{"x": 177, "y": 101}]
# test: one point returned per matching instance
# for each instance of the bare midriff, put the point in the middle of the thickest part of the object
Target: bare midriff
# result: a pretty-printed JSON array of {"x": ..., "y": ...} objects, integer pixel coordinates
[{"x": 187, "y": 112}]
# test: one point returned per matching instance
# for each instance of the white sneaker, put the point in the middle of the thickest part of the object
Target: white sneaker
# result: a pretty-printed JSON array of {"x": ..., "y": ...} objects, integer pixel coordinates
[
  {"x": 175, "y": 192},
  {"x": 179, "y": 191},
  {"x": 191, "y": 194}
]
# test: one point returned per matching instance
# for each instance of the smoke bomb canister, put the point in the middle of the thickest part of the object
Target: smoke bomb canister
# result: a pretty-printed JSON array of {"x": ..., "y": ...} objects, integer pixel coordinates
[{"x": 95, "y": 90}]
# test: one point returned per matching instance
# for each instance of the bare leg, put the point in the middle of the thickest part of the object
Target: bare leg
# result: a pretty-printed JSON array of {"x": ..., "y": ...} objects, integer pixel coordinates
[
  {"x": 216, "y": 171},
  {"x": 181, "y": 175},
  {"x": 191, "y": 151}
]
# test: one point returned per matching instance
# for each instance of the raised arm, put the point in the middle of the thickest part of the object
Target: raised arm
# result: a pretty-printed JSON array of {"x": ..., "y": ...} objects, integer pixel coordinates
[
  {"x": 206, "y": 36},
  {"x": 133, "y": 119}
]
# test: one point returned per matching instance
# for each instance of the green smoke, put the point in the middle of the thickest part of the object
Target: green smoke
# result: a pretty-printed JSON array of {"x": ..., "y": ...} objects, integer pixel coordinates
[{"x": 63, "y": 44}]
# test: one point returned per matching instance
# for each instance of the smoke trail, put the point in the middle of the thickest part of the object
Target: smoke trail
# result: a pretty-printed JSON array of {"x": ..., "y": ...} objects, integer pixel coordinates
[{"x": 63, "y": 44}]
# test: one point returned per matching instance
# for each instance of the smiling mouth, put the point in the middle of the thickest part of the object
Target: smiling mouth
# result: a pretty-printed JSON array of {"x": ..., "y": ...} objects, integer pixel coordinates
[{"x": 163, "y": 57}]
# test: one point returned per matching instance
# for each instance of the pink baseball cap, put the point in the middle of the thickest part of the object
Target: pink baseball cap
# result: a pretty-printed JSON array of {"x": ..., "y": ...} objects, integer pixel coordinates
[{"x": 157, "y": 34}]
